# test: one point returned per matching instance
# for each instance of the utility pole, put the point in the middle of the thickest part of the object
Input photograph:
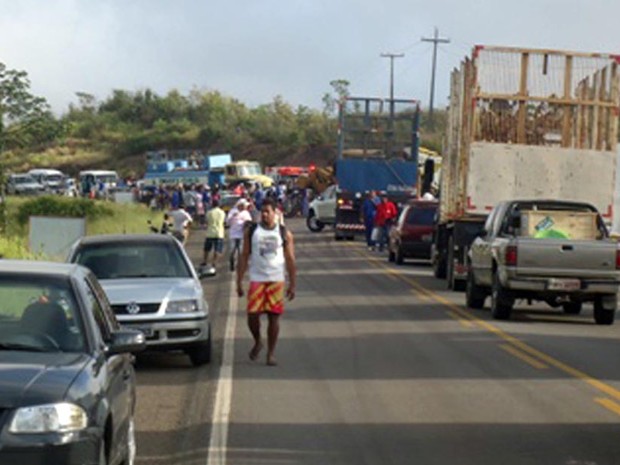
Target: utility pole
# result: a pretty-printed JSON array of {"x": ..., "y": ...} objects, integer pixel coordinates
[
  {"x": 391, "y": 56},
  {"x": 436, "y": 40}
]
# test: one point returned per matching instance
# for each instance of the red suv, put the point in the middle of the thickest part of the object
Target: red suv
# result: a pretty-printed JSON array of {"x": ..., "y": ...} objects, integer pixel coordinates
[{"x": 412, "y": 235}]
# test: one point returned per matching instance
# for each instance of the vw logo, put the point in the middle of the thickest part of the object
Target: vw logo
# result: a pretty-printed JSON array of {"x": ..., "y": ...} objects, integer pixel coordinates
[{"x": 133, "y": 308}]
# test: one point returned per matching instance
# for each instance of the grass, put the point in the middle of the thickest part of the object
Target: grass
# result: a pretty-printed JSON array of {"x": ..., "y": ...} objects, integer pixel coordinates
[{"x": 124, "y": 219}]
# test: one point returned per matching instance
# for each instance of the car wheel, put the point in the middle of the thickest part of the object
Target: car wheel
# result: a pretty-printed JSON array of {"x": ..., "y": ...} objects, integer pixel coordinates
[
  {"x": 572, "y": 308},
  {"x": 391, "y": 256},
  {"x": 474, "y": 294},
  {"x": 313, "y": 223},
  {"x": 130, "y": 452},
  {"x": 602, "y": 315},
  {"x": 400, "y": 258},
  {"x": 501, "y": 301},
  {"x": 201, "y": 354}
]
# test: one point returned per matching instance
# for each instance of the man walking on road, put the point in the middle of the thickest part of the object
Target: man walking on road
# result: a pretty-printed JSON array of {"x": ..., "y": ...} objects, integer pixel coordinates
[
  {"x": 268, "y": 249},
  {"x": 236, "y": 221},
  {"x": 214, "y": 241}
]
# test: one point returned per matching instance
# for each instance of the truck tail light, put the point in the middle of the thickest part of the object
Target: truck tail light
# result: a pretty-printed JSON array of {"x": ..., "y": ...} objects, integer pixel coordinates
[
  {"x": 345, "y": 203},
  {"x": 512, "y": 255}
]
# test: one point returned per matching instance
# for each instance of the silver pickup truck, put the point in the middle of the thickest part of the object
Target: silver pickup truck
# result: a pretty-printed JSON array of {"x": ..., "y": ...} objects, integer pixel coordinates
[{"x": 544, "y": 250}]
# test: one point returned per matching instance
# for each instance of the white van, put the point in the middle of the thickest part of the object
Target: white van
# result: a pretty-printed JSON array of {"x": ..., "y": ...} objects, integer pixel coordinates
[
  {"x": 52, "y": 180},
  {"x": 91, "y": 181}
]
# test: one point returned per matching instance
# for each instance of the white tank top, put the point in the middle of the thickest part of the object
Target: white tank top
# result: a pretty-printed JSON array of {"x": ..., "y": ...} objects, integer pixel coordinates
[{"x": 267, "y": 258}]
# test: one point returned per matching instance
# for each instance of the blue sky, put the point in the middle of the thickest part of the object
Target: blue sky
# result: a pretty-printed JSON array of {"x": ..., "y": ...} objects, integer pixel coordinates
[{"x": 256, "y": 49}]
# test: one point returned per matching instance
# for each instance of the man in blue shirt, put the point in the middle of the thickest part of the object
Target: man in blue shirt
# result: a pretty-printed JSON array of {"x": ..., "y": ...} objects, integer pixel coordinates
[{"x": 369, "y": 208}]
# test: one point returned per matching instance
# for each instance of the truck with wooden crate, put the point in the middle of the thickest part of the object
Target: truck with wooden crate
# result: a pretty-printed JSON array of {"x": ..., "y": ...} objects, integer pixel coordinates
[
  {"x": 558, "y": 252},
  {"x": 523, "y": 124}
]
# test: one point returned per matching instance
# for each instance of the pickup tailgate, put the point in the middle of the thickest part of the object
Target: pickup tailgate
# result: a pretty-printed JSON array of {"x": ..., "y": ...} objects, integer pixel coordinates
[{"x": 570, "y": 258}]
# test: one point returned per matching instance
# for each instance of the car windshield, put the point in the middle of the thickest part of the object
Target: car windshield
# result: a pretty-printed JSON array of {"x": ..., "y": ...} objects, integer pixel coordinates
[
  {"x": 107, "y": 178},
  {"x": 249, "y": 170},
  {"x": 39, "y": 315},
  {"x": 421, "y": 216},
  {"x": 134, "y": 260},
  {"x": 53, "y": 177}
]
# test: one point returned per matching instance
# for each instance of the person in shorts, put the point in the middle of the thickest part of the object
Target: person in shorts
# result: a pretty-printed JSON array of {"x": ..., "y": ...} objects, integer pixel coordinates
[
  {"x": 268, "y": 252},
  {"x": 214, "y": 242}
]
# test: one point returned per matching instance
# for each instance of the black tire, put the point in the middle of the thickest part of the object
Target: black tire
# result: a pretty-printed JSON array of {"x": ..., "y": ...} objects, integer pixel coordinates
[
  {"x": 103, "y": 459},
  {"x": 201, "y": 354},
  {"x": 602, "y": 315},
  {"x": 450, "y": 264},
  {"x": 501, "y": 301},
  {"x": 439, "y": 266},
  {"x": 400, "y": 258},
  {"x": 130, "y": 453},
  {"x": 351, "y": 238},
  {"x": 338, "y": 237},
  {"x": 313, "y": 224},
  {"x": 474, "y": 295},
  {"x": 391, "y": 256},
  {"x": 572, "y": 308}
]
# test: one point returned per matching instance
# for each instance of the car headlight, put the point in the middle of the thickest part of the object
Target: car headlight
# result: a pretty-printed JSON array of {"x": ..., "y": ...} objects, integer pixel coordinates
[
  {"x": 50, "y": 418},
  {"x": 182, "y": 306}
]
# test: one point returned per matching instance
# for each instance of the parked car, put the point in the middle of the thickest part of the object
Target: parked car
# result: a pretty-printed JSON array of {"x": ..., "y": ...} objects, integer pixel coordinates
[
  {"x": 412, "y": 235},
  {"x": 153, "y": 287},
  {"x": 322, "y": 210},
  {"x": 23, "y": 184},
  {"x": 553, "y": 251},
  {"x": 52, "y": 180},
  {"x": 67, "y": 383}
]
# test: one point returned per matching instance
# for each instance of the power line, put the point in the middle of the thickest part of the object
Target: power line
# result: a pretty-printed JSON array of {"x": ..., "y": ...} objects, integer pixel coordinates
[
  {"x": 391, "y": 56},
  {"x": 436, "y": 40}
]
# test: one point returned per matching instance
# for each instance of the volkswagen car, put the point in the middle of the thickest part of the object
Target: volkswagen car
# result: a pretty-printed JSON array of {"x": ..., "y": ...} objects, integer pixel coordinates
[
  {"x": 67, "y": 383},
  {"x": 152, "y": 286}
]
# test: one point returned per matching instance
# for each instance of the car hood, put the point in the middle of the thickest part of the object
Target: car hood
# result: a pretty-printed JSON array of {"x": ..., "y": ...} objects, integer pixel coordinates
[
  {"x": 32, "y": 378},
  {"x": 150, "y": 290}
]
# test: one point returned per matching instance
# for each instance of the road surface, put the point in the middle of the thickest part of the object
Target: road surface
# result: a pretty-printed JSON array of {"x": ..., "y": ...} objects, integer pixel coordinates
[{"x": 379, "y": 364}]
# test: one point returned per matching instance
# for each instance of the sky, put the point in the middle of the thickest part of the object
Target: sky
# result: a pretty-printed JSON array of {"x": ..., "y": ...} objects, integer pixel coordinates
[{"x": 254, "y": 50}]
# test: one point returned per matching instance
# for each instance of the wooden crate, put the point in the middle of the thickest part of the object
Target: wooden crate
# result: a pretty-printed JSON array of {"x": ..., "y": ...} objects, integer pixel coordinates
[{"x": 576, "y": 225}]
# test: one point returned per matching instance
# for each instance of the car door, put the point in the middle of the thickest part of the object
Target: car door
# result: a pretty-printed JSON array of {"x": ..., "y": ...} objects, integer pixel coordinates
[
  {"x": 481, "y": 254},
  {"x": 327, "y": 207},
  {"x": 120, "y": 380}
]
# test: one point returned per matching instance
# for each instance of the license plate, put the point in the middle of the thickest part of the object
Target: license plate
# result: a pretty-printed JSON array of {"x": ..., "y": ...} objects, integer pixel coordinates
[{"x": 563, "y": 284}]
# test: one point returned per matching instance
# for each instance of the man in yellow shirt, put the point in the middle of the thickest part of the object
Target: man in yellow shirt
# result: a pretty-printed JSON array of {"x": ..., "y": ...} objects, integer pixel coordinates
[{"x": 214, "y": 241}]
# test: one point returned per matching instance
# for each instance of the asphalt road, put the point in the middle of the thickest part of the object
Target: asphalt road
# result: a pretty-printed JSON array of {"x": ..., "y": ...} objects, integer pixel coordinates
[{"x": 379, "y": 364}]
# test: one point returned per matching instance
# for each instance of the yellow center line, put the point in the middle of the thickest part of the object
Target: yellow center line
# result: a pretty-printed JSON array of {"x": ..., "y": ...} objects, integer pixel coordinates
[
  {"x": 608, "y": 404},
  {"x": 524, "y": 357},
  {"x": 541, "y": 356},
  {"x": 460, "y": 319}
]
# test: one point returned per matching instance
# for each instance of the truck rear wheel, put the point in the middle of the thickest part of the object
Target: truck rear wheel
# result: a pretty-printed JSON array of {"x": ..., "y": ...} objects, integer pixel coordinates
[
  {"x": 605, "y": 310},
  {"x": 501, "y": 301},
  {"x": 474, "y": 295},
  {"x": 439, "y": 266},
  {"x": 400, "y": 257},
  {"x": 313, "y": 223}
]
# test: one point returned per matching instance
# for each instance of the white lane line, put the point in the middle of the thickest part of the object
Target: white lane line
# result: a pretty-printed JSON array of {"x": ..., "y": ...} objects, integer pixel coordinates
[{"x": 223, "y": 397}]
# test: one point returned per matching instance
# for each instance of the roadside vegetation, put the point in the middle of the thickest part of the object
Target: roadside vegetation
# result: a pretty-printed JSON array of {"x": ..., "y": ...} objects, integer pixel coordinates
[{"x": 101, "y": 218}]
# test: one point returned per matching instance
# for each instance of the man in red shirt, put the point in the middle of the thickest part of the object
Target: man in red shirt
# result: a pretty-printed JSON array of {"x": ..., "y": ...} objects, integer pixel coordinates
[{"x": 384, "y": 218}]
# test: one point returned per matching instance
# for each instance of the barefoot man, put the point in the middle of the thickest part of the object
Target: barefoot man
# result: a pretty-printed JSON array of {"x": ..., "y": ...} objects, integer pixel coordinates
[{"x": 268, "y": 249}]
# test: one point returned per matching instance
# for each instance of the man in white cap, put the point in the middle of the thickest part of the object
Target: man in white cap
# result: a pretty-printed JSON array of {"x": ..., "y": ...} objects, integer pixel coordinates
[{"x": 236, "y": 220}]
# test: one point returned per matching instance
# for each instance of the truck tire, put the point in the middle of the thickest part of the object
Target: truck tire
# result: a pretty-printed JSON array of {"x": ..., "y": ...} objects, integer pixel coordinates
[
  {"x": 501, "y": 301},
  {"x": 572, "y": 308},
  {"x": 454, "y": 284},
  {"x": 313, "y": 223},
  {"x": 391, "y": 256},
  {"x": 603, "y": 315},
  {"x": 439, "y": 266},
  {"x": 400, "y": 257},
  {"x": 474, "y": 295}
]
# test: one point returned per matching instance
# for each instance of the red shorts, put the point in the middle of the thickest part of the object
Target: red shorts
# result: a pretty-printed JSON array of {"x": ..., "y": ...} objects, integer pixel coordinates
[{"x": 266, "y": 297}]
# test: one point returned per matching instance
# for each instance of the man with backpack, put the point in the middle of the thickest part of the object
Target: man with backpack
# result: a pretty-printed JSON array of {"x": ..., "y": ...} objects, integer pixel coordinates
[{"x": 268, "y": 251}]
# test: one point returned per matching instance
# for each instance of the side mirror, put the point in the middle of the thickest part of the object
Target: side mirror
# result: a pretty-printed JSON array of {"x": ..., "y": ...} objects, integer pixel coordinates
[{"x": 126, "y": 340}]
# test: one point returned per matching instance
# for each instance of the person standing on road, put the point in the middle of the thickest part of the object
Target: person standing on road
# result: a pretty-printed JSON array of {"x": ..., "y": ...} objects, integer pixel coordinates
[
  {"x": 369, "y": 209},
  {"x": 214, "y": 241},
  {"x": 236, "y": 221},
  {"x": 384, "y": 218},
  {"x": 180, "y": 223},
  {"x": 269, "y": 252}
]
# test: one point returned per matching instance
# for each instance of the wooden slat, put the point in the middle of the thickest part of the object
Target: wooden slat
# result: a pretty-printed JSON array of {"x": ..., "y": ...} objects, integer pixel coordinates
[
  {"x": 567, "y": 108},
  {"x": 542, "y": 51},
  {"x": 600, "y": 134},
  {"x": 594, "y": 120},
  {"x": 588, "y": 102},
  {"x": 522, "y": 114},
  {"x": 612, "y": 136},
  {"x": 579, "y": 132}
]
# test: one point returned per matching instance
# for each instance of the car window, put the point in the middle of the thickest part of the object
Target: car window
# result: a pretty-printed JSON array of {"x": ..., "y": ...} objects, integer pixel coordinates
[
  {"x": 134, "y": 260},
  {"x": 110, "y": 318},
  {"x": 421, "y": 216},
  {"x": 39, "y": 314}
]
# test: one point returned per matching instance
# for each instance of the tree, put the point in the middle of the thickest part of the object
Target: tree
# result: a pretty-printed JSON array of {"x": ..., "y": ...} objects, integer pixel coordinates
[
  {"x": 340, "y": 87},
  {"x": 20, "y": 112}
]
